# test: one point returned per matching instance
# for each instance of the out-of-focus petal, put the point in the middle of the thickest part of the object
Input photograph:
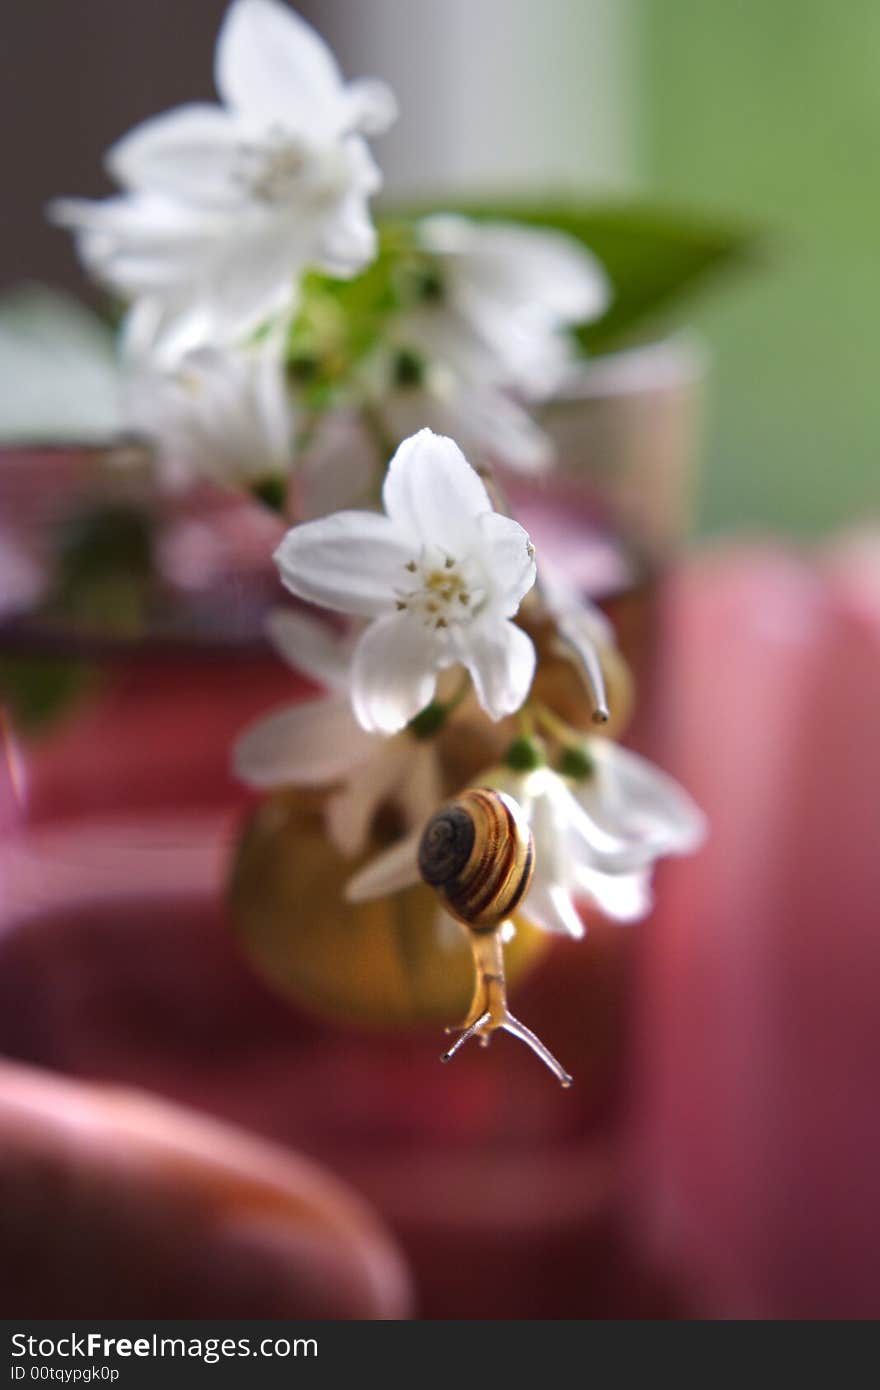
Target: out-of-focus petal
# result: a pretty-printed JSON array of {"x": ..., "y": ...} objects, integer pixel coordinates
[
  {"x": 273, "y": 67},
  {"x": 396, "y": 869},
  {"x": 311, "y": 646},
  {"x": 370, "y": 105},
  {"x": 349, "y": 812},
  {"x": 305, "y": 745},
  {"x": 550, "y": 905},
  {"x": 624, "y": 897},
  {"x": 631, "y": 799},
  {"x": 188, "y": 152},
  {"x": 393, "y": 673}
]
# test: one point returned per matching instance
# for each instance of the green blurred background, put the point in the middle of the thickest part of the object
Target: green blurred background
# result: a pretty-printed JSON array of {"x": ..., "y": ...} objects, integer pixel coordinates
[{"x": 771, "y": 109}]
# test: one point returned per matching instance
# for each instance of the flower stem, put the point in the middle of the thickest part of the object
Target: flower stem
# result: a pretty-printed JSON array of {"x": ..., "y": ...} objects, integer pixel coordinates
[{"x": 556, "y": 727}]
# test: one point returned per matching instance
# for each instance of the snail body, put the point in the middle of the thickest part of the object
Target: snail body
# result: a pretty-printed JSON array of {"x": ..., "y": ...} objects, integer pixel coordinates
[{"x": 478, "y": 854}]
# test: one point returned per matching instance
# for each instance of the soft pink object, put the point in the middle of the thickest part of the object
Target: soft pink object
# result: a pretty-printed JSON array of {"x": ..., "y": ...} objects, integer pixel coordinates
[{"x": 760, "y": 983}]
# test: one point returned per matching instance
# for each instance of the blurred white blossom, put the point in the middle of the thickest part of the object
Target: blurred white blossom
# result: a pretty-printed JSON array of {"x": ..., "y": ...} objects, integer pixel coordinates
[
  {"x": 499, "y": 300},
  {"x": 220, "y": 414},
  {"x": 319, "y": 742},
  {"x": 441, "y": 575},
  {"x": 224, "y": 205}
]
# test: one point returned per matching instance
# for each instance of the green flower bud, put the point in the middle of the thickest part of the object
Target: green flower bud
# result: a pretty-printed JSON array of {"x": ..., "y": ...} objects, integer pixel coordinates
[
  {"x": 428, "y": 721},
  {"x": 525, "y": 754},
  {"x": 577, "y": 764}
]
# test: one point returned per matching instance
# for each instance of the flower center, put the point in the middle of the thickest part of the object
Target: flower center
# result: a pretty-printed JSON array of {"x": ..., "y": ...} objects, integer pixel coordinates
[
  {"x": 439, "y": 590},
  {"x": 282, "y": 167}
]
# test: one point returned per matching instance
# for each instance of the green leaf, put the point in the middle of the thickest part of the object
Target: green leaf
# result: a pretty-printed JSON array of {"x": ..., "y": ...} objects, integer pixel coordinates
[{"x": 655, "y": 257}]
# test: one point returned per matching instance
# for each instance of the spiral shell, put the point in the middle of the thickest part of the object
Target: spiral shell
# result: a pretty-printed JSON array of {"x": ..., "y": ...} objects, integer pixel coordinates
[{"x": 478, "y": 854}]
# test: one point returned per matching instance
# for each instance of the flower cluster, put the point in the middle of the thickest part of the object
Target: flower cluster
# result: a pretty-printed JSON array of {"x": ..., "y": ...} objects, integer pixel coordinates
[
  {"x": 440, "y": 578},
  {"x": 230, "y": 242},
  {"x": 274, "y": 339}
]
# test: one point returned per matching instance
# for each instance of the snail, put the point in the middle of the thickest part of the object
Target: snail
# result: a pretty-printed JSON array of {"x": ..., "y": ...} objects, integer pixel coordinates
[{"x": 477, "y": 853}]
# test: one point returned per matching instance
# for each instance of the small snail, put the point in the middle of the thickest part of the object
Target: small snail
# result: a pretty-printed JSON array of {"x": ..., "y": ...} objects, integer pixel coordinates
[{"x": 477, "y": 853}]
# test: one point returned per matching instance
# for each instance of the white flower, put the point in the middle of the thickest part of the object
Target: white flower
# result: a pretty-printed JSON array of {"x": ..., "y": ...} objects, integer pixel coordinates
[
  {"x": 220, "y": 414},
  {"x": 318, "y": 742},
  {"x": 503, "y": 298},
  {"x": 224, "y": 205},
  {"x": 440, "y": 574},
  {"x": 596, "y": 841}
]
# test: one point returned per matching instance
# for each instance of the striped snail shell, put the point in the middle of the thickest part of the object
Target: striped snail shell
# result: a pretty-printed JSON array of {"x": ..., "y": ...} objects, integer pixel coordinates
[{"x": 478, "y": 853}]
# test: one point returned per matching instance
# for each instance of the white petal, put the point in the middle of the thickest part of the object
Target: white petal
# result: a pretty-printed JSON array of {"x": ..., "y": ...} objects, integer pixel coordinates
[
  {"x": 350, "y": 561},
  {"x": 139, "y": 243},
  {"x": 197, "y": 276},
  {"x": 302, "y": 745},
  {"x": 338, "y": 468},
  {"x": 391, "y": 872},
  {"x": 347, "y": 241},
  {"x": 634, "y": 800},
  {"x": 516, "y": 265},
  {"x": 273, "y": 67},
  {"x": 311, "y": 646},
  {"x": 432, "y": 493},
  {"x": 273, "y": 412},
  {"x": 517, "y": 288},
  {"x": 501, "y": 661},
  {"x": 349, "y": 813},
  {"x": 506, "y": 432},
  {"x": 581, "y": 642},
  {"x": 393, "y": 673},
  {"x": 623, "y": 897},
  {"x": 188, "y": 152},
  {"x": 550, "y": 906},
  {"x": 420, "y": 789},
  {"x": 583, "y": 626},
  {"x": 510, "y": 561},
  {"x": 371, "y": 106},
  {"x": 579, "y": 838}
]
